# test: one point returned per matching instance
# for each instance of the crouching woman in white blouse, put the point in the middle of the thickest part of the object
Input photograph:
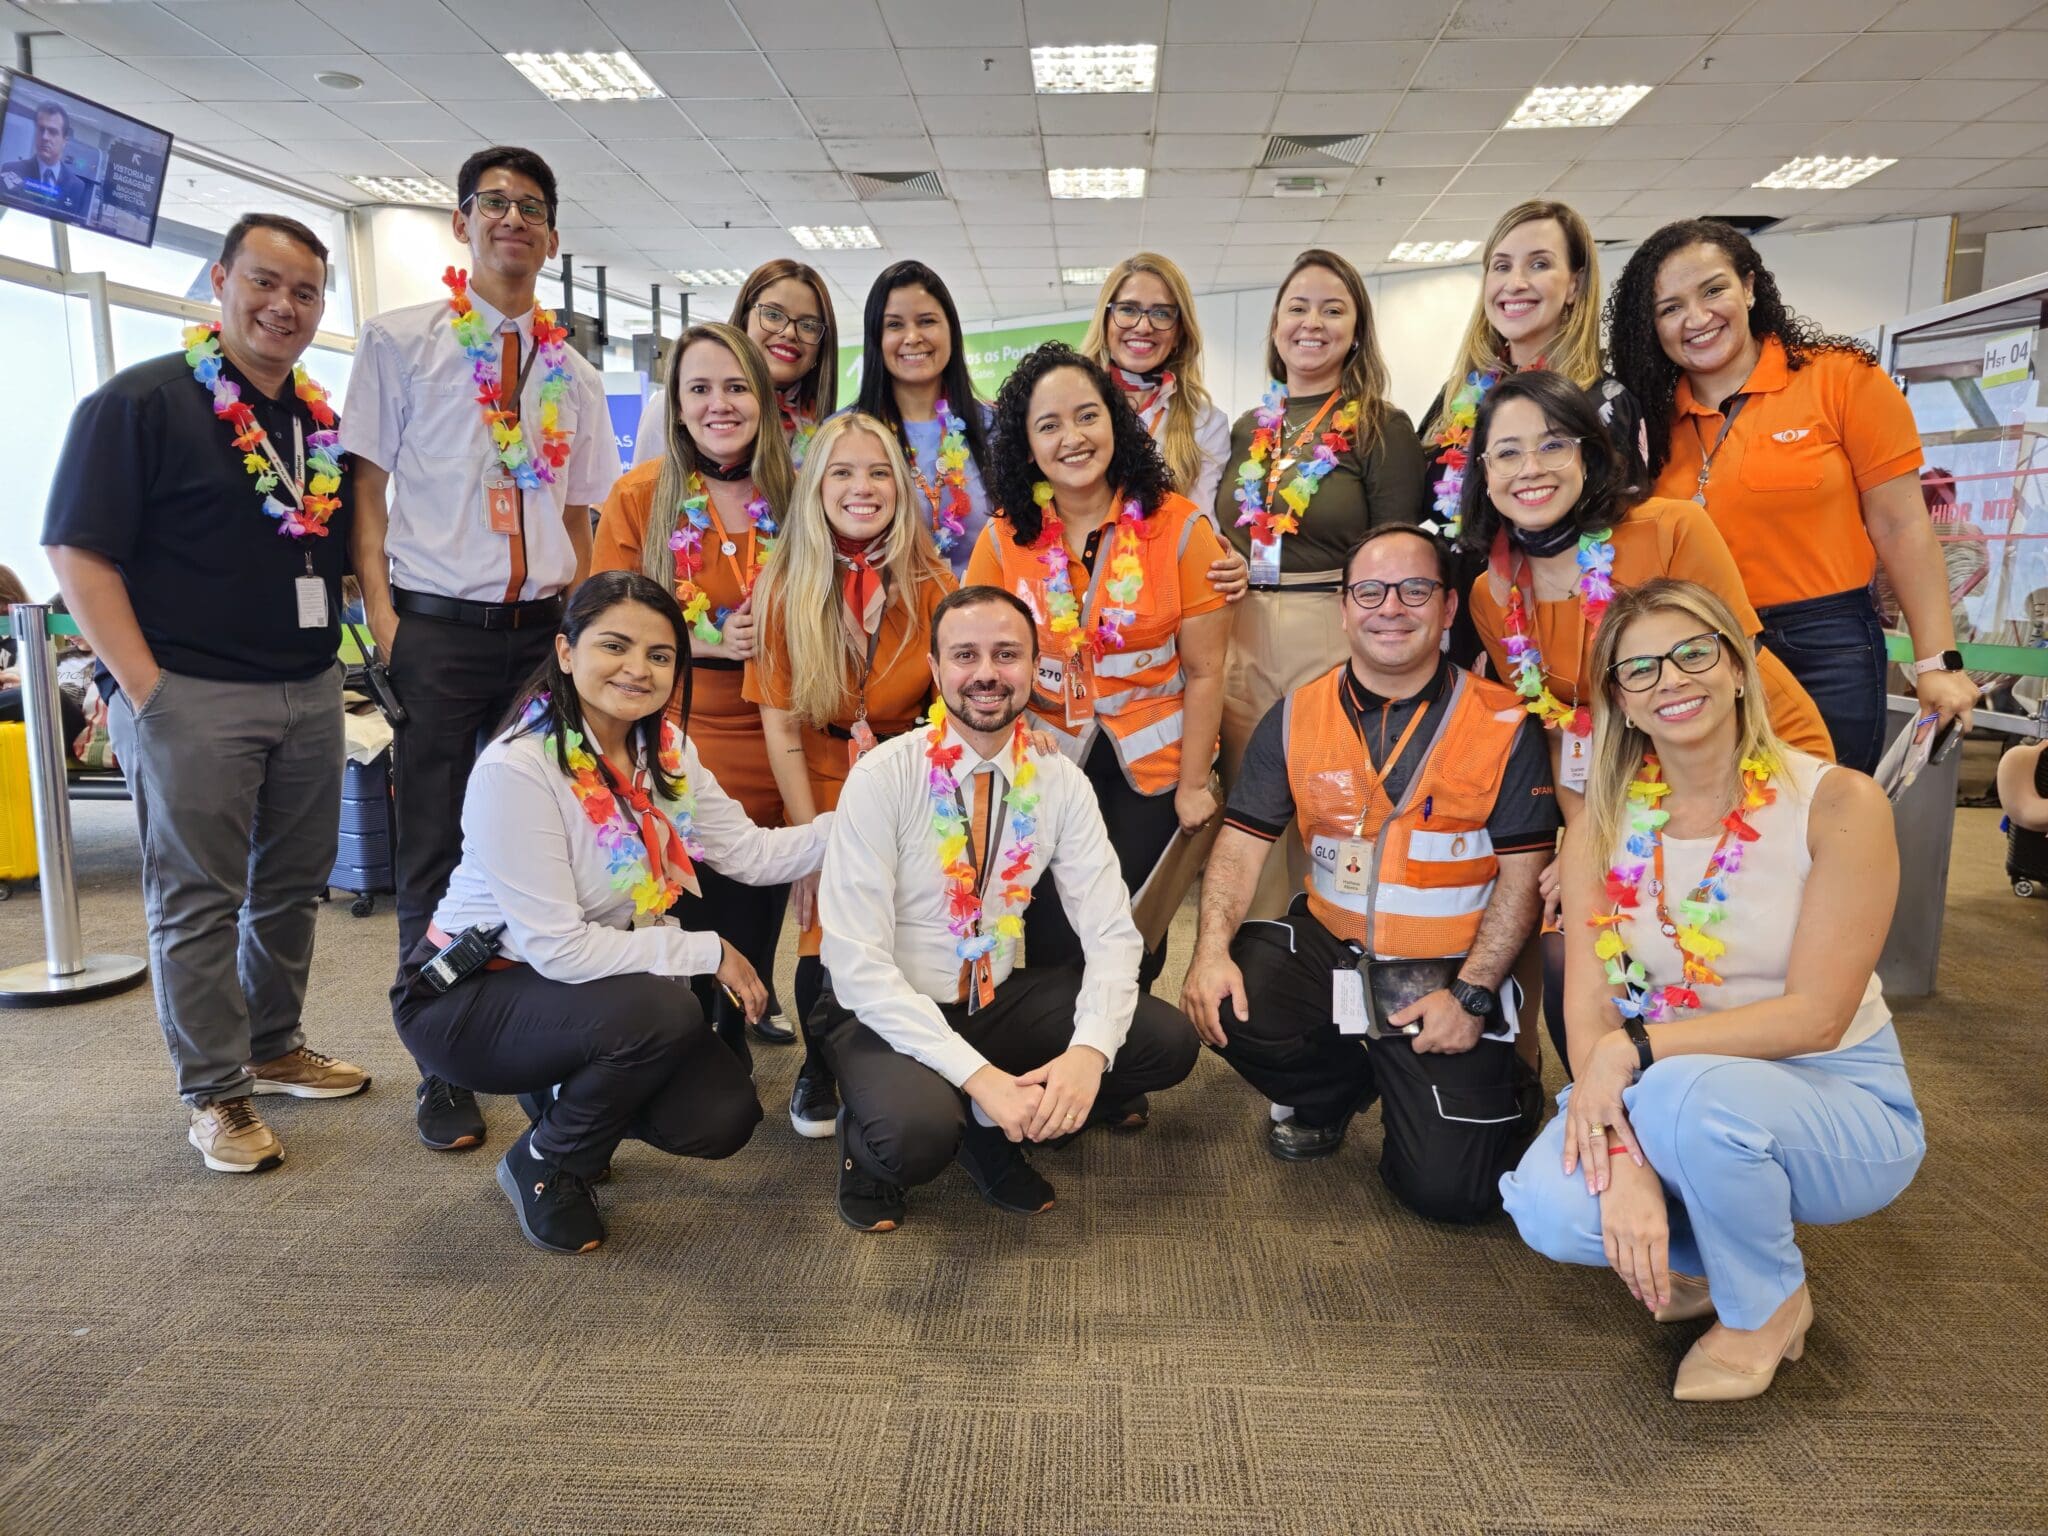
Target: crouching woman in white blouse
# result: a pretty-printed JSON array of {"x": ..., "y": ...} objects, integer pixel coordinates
[{"x": 582, "y": 824}]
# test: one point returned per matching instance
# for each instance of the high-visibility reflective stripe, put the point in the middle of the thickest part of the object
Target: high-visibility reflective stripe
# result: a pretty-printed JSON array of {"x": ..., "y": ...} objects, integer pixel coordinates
[
  {"x": 1325, "y": 882},
  {"x": 1110, "y": 705},
  {"x": 1129, "y": 663},
  {"x": 1142, "y": 744},
  {"x": 1449, "y": 901},
  {"x": 1449, "y": 847}
]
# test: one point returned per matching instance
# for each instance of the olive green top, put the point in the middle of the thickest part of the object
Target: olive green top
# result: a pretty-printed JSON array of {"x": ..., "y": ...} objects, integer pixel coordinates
[{"x": 1355, "y": 496}]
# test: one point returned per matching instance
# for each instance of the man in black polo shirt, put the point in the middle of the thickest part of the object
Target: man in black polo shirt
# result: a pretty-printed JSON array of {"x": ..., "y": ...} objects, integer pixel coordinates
[
  {"x": 196, "y": 531},
  {"x": 1423, "y": 797}
]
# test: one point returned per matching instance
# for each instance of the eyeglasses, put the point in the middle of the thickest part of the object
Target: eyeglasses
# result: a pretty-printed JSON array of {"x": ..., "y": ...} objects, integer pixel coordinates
[
  {"x": 495, "y": 205},
  {"x": 1164, "y": 317},
  {"x": 1639, "y": 674},
  {"x": 775, "y": 321},
  {"x": 1415, "y": 591},
  {"x": 1551, "y": 453}
]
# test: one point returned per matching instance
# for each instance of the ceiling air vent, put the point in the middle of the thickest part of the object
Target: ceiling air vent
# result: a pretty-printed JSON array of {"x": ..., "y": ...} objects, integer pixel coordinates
[
  {"x": 897, "y": 186},
  {"x": 1316, "y": 149}
]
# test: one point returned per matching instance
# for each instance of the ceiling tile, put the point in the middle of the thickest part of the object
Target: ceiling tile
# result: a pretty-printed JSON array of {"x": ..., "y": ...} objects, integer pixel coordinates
[
  {"x": 1553, "y": 147},
  {"x": 657, "y": 158},
  {"x": 967, "y": 71},
  {"x": 1212, "y": 112},
  {"x": 228, "y": 79},
  {"x": 1511, "y": 183},
  {"x": 351, "y": 157},
  {"x": 1891, "y": 140},
  {"x": 1666, "y": 204},
  {"x": 2028, "y": 107},
  {"x": 1767, "y": 139},
  {"x": 524, "y": 123},
  {"x": 1424, "y": 148},
  {"x": 1346, "y": 67},
  {"x": 881, "y": 152},
  {"x": 1728, "y": 102},
  {"x": 918, "y": 22},
  {"x": 1335, "y": 21},
  {"x": 862, "y": 116},
  {"x": 460, "y": 76},
  {"x": 1218, "y": 67},
  {"x": 279, "y": 26},
  {"x": 1779, "y": 58},
  {"x": 615, "y": 121},
  {"x": 1198, "y": 212},
  {"x": 1628, "y": 176},
  {"x": 696, "y": 76},
  {"x": 2010, "y": 56},
  {"x": 1943, "y": 15},
  {"x": 964, "y": 185},
  {"x": 390, "y": 120},
  {"x": 654, "y": 25},
  {"x": 126, "y": 31},
  {"x": 1232, "y": 21},
  {"x": 978, "y": 116},
  {"x": 286, "y": 119},
  {"x": 809, "y": 186},
  {"x": 1065, "y": 23},
  {"x": 1101, "y": 149},
  {"x": 1171, "y": 188},
  {"x": 989, "y": 154},
  {"x": 188, "y": 120},
  {"x": 1624, "y": 60},
  {"x": 1522, "y": 18},
  {"x": 1430, "y": 111},
  {"x": 776, "y": 154},
  {"x": 746, "y": 119},
  {"x": 1120, "y": 113},
  {"x": 1722, "y": 175},
  {"x": 1666, "y": 18},
  {"x": 1333, "y": 111},
  {"x": 1652, "y": 141},
  {"x": 1940, "y": 101},
  {"x": 118, "y": 84},
  {"x": 1005, "y": 214},
  {"x": 2031, "y": 171},
  {"x": 1812, "y": 16},
  {"x": 300, "y": 72},
  {"x": 537, "y": 25},
  {"x": 1929, "y": 172},
  {"x": 1468, "y": 66},
  {"x": 1897, "y": 56},
  {"x": 826, "y": 71},
  {"x": 1203, "y": 151}
]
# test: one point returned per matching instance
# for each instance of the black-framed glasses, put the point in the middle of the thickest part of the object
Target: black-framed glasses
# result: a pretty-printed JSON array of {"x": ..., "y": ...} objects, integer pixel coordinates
[
  {"x": 775, "y": 320},
  {"x": 1415, "y": 591},
  {"x": 1164, "y": 317},
  {"x": 1639, "y": 674},
  {"x": 1550, "y": 453},
  {"x": 495, "y": 205}
]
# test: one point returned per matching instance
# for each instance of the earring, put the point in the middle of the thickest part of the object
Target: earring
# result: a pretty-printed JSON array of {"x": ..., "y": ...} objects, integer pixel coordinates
[{"x": 1738, "y": 692}]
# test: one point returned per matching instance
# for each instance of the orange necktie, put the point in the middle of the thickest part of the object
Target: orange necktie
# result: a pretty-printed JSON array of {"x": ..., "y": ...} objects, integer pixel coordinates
[{"x": 508, "y": 392}]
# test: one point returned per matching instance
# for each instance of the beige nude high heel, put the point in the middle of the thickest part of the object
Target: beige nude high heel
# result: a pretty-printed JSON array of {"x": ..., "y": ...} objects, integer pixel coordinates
[
  {"x": 1703, "y": 1379},
  {"x": 1689, "y": 1300}
]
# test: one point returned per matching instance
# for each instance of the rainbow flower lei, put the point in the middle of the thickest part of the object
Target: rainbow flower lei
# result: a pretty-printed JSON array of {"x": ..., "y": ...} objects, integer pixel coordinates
[
  {"x": 618, "y": 835},
  {"x": 949, "y": 498},
  {"x": 1525, "y": 662},
  {"x": 508, "y": 436},
  {"x": 1123, "y": 588},
  {"x": 1699, "y": 912},
  {"x": 1461, "y": 417},
  {"x": 964, "y": 915},
  {"x": 1266, "y": 525},
  {"x": 798, "y": 429},
  {"x": 688, "y": 543},
  {"x": 323, "y": 479}
]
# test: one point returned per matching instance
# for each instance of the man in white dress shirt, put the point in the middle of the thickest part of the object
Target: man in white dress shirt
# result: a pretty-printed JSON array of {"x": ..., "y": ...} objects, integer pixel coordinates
[
  {"x": 473, "y": 555},
  {"x": 940, "y": 1046}
]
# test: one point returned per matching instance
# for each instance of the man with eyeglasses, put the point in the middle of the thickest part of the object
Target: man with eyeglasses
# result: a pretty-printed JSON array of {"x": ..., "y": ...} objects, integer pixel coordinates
[
  {"x": 490, "y": 439},
  {"x": 1423, "y": 796}
]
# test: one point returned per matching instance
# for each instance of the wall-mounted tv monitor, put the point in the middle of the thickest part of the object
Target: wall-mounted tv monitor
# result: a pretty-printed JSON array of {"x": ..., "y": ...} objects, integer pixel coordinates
[{"x": 70, "y": 159}]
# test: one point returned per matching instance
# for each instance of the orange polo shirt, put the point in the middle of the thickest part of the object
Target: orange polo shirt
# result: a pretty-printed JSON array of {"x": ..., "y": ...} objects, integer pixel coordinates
[{"x": 1786, "y": 487}]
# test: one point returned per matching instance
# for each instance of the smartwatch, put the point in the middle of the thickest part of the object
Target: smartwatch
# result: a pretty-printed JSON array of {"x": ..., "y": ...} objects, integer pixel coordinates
[
  {"x": 1945, "y": 661},
  {"x": 1637, "y": 1033},
  {"x": 1477, "y": 1001}
]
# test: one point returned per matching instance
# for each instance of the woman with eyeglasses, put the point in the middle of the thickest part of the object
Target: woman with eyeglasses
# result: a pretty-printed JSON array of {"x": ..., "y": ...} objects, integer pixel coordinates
[
  {"x": 704, "y": 520},
  {"x": 1734, "y": 1065},
  {"x": 1324, "y": 459},
  {"x": 846, "y": 613}
]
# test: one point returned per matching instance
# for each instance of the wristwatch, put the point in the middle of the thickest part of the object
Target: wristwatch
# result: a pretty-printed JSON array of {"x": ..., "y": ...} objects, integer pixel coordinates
[
  {"x": 1634, "y": 1029},
  {"x": 1477, "y": 1001},
  {"x": 1944, "y": 661}
]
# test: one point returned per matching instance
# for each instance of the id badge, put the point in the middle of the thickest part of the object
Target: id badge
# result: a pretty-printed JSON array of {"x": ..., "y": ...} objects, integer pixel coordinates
[
  {"x": 311, "y": 592},
  {"x": 1080, "y": 697},
  {"x": 1575, "y": 759},
  {"x": 501, "y": 501},
  {"x": 1354, "y": 865},
  {"x": 1265, "y": 564},
  {"x": 981, "y": 984},
  {"x": 862, "y": 741},
  {"x": 1347, "y": 1001}
]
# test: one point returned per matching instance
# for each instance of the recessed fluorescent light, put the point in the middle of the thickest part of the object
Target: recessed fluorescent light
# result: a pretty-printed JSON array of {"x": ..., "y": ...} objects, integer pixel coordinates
[
  {"x": 1098, "y": 67},
  {"x": 404, "y": 189},
  {"x": 834, "y": 237},
  {"x": 1818, "y": 173},
  {"x": 713, "y": 277},
  {"x": 1576, "y": 106},
  {"x": 586, "y": 76},
  {"x": 1084, "y": 277},
  {"x": 1441, "y": 250},
  {"x": 1097, "y": 181}
]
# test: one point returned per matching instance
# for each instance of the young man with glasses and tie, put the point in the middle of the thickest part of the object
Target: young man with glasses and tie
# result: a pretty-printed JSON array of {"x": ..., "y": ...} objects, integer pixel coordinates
[
  {"x": 480, "y": 442},
  {"x": 1423, "y": 798}
]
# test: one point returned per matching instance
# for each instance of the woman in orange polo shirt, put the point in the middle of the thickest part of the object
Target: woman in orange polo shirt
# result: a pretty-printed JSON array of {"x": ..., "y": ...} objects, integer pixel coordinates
[
  {"x": 1806, "y": 457},
  {"x": 1132, "y": 637},
  {"x": 846, "y": 613},
  {"x": 703, "y": 519}
]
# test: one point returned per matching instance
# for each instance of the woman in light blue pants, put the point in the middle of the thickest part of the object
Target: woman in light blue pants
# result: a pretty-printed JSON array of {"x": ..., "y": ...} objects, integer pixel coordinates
[{"x": 1735, "y": 1068}]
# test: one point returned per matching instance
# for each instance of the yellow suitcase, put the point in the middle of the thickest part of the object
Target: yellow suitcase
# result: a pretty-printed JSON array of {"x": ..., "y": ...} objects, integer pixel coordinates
[{"x": 17, "y": 815}]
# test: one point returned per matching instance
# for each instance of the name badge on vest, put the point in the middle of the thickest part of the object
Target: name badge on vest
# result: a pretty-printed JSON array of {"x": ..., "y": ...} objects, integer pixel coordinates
[
  {"x": 1052, "y": 675},
  {"x": 861, "y": 741},
  {"x": 1265, "y": 564},
  {"x": 1354, "y": 865},
  {"x": 1575, "y": 758},
  {"x": 501, "y": 500}
]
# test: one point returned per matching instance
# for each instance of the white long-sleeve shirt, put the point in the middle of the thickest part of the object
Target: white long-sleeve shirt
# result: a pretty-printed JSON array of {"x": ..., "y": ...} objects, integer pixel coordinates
[
  {"x": 530, "y": 860},
  {"x": 882, "y": 902}
]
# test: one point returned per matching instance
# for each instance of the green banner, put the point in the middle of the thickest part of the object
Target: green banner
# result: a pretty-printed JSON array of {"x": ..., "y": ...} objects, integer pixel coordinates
[{"x": 990, "y": 355}]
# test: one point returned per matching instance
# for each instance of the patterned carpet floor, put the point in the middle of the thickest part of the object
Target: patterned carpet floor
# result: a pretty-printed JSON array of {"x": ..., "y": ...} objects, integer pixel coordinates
[{"x": 1198, "y": 1339}]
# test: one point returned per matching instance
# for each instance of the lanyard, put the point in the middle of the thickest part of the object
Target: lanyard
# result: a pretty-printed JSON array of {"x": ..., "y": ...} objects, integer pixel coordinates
[
  {"x": 860, "y": 709},
  {"x": 1707, "y": 454},
  {"x": 1519, "y": 568},
  {"x": 294, "y": 479},
  {"x": 728, "y": 546},
  {"x": 1284, "y": 460},
  {"x": 1379, "y": 774}
]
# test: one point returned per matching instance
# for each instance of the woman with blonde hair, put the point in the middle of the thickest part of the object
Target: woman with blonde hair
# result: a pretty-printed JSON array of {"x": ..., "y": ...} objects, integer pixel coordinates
[
  {"x": 1734, "y": 1065},
  {"x": 704, "y": 520},
  {"x": 1324, "y": 459},
  {"x": 845, "y": 626}
]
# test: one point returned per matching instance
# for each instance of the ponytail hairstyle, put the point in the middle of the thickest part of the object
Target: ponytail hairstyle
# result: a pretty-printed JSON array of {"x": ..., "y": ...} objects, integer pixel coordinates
[
  {"x": 817, "y": 392},
  {"x": 956, "y": 385},
  {"x": 563, "y": 711},
  {"x": 1365, "y": 377},
  {"x": 1177, "y": 443}
]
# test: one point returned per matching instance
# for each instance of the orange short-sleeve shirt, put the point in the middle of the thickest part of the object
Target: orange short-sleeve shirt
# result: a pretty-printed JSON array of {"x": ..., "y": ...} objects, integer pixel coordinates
[
  {"x": 1203, "y": 548},
  {"x": 1786, "y": 486},
  {"x": 1659, "y": 537}
]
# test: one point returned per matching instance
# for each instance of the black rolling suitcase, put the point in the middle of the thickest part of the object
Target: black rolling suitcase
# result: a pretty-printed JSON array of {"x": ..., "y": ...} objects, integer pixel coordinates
[
  {"x": 362, "y": 855},
  {"x": 2026, "y": 853}
]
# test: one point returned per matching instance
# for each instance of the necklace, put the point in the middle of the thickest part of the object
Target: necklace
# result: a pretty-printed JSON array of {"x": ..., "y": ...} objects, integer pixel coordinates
[
  {"x": 1525, "y": 662},
  {"x": 799, "y": 429},
  {"x": 948, "y": 498},
  {"x": 317, "y": 501},
  {"x": 1461, "y": 415},
  {"x": 508, "y": 434},
  {"x": 964, "y": 914},
  {"x": 1707, "y": 905},
  {"x": 688, "y": 543},
  {"x": 1255, "y": 486},
  {"x": 1125, "y": 584}
]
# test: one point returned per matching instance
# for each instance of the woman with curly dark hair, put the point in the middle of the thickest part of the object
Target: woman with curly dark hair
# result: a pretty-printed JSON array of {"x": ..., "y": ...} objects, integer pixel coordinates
[
  {"x": 1132, "y": 637},
  {"x": 1806, "y": 457}
]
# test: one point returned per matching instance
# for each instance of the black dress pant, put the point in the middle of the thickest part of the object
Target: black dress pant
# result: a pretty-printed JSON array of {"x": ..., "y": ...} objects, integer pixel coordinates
[
  {"x": 904, "y": 1122},
  {"x": 1453, "y": 1124},
  {"x": 1140, "y": 827},
  {"x": 748, "y": 917},
  {"x": 632, "y": 1056}
]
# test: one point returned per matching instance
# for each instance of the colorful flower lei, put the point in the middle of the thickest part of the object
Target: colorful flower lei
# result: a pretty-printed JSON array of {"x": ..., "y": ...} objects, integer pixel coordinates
[
  {"x": 1267, "y": 526},
  {"x": 1453, "y": 434},
  {"x": 1125, "y": 585},
  {"x": 688, "y": 543},
  {"x": 963, "y": 903},
  {"x": 1700, "y": 911},
  {"x": 1525, "y": 662},
  {"x": 949, "y": 499},
  {"x": 798, "y": 429},
  {"x": 618, "y": 834},
  {"x": 319, "y": 501},
  {"x": 508, "y": 435}
]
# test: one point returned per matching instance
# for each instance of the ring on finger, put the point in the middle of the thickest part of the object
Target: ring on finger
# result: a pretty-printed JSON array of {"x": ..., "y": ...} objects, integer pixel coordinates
[{"x": 1596, "y": 1130}]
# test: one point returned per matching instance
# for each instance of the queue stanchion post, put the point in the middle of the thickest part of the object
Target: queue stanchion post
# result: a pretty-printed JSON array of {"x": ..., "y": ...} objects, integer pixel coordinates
[{"x": 67, "y": 973}]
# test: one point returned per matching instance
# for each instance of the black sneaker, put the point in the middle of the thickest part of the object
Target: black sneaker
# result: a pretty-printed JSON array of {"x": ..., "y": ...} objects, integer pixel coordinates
[
  {"x": 1294, "y": 1142},
  {"x": 555, "y": 1207},
  {"x": 1133, "y": 1114},
  {"x": 866, "y": 1204},
  {"x": 1000, "y": 1171},
  {"x": 772, "y": 1029},
  {"x": 536, "y": 1105},
  {"x": 813, "y": 1104},
  {"x": 447, "y": 1116}
]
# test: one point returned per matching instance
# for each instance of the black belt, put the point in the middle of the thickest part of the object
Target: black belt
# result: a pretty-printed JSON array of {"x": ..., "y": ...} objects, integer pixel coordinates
[
  {"x": 1292, "y": 587},
  {"x": 716, "y": 664},
  {"x": 542, "y": 610}
]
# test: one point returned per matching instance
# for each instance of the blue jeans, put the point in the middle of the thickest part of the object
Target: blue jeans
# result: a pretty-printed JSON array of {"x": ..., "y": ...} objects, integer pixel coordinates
[
  {"x": 1834, "y": 646},
  {"x": 1745, "y": 1148}
]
